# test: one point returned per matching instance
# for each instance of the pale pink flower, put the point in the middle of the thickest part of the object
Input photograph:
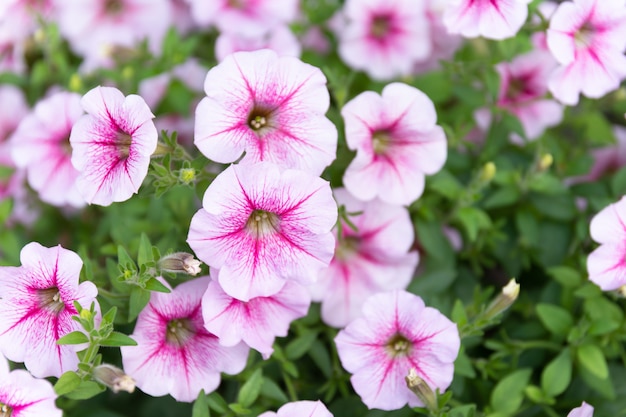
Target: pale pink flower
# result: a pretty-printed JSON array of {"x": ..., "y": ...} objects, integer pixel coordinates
[
  {"x": 279, "y": 39},
  {"x": 257, "y": 321},
  {"x": 270, "y": 107},
  {"x": 606, "y": 159},
  {"x": 261, "y": 226},
  {"x": 372, "y": 259},
  {"x": 316, "y": 40},
  {"x": 190, "y": 73},
  {"x": 14, "y": 109},
  {"x": 37, "y": 306},
  {"x": 244, "y": 17},
  {"x": 175, "y": 354},
  {"x": 181, "y": 16},
  {"x": 300, "y": 409},
  {"x": 606, "y": 265},
  {"x": 384, "y": 38},
  {"x": 588, "y": 39},
  {"x": 493, "y": 19},
  {"x": 397, "y": 143},
  {"x": 112, "y": 145},
  {"x": 397, "y": 333},
  {"x": 41, "y": 145},
  {"x": 585, "y": 410}
]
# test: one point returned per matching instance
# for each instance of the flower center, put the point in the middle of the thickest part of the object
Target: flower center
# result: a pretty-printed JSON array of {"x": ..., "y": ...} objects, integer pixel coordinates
[
  {"x": 258, "y": 119},
  {"x": 50, "y": 299},
  {"x": 113, "y": 7},
  {"x": 381, "y": 26},
  {"x": 179, "y": 331},
  {"x": 122, "y": 143},
  {"x": 5, "y": 410},
  {"x": 398, "y": 345},
  {"x": 237, "y": 4},
  {"x": 381, "y": 141},
  {"x": 584, "y": 36},
  {"x": 348, "y": 245},
  {"x": 262, "y": 223}
]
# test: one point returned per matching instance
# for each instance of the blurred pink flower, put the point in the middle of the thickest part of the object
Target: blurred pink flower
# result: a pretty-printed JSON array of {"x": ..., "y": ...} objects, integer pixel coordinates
[
  {"x": 279, "y": 39},
  {"x": 588, "y": 39},
  {"x": 270, "y": 107},
  {"x": 493, "y": 19},
  {"x": 372, "y": 259},
  {"x": 244, "y": 17},
  {"x": 606, "y": 159},
  {"x": 316, "y": 40},
  {"x": 397, "y": 333},
  {"x": 181, "y": 16},
  {"x": 14, "y": 109},
  {"x": 175, "y": 354},
  {"x": 606, "y": 265},
  {"x": 397, "y": 143},
  {"x": 37, "y": 306},
  {"x": 255, "y": 322},
  {"x": 190, "y": 73},
  {"x": 384, "y": 38},
  {"x": 41, "y": 145},
  {"x": 112, "y": 145},
  {"x": 585, "y": 410},
  {"x": 300, "y": 408},
  {"x": 261, "y": 226}
]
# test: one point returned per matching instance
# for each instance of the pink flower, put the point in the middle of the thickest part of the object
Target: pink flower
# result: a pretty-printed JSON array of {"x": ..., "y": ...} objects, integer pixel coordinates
[
  {"x": 588, "y": 39},
  {"x": 41, "y": 145},
  {"x": 493, "y": 19},
  {"x": 372, "y": 259},
  {"x": 260, "y": 226},
  {"x": 14, "y": 109},
  {"x": 585, "y": 410},
  {"x": 279, "y": 39},
  {"x": 384, "y": 38},
  {"x": 255, "y": 322},
  {"x": 175, "y": 354},
  {"x": 397, "y": 142},
  {"x": 21, "y": 395},
  {"x": 272, "y": 108},
  {"x": 37, "y": 306},
  {"x": 244, "y": 17},
  {"x": 300, "y": 409},
  {"x": 606, "y": 159},
  {"x": 397, "y": 333},
  {"x": 607, "y": 263},
  {"x": 111, "y": 145}
]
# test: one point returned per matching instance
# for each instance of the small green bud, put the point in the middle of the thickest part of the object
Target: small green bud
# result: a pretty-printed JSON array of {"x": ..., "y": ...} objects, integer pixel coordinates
[{"x": 488, "y": 172}]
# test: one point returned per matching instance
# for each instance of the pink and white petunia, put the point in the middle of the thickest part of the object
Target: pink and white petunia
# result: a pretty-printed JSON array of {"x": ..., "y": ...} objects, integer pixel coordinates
[
  {"x": 37, "y": 306},
  {"x": 384, "y": 38},
  {"x": 14, "y": 109},
  {"x": 493, "y": 19},
  {"x": 279, "y": 39},
  {"x": 21, "y": 395},
  {"x": 300, "y": 409},
  {"x": 112, "y": 145},
  {"x": 175, "y": 354},
  {"x": 257, "y": 321},
  {"x": 376, "y": 257},
  {"x": 41, "y": 145},
  {"x": 397, "y": 333},
  {"x": 397, "y": 142},
  {"x": 588, "y": 39},
  {"x": 261, "y": 226},
  {"x": 270, "y": 107},
  {"x": 585, "y": 410},
  {"x": 606, "y": 265}
]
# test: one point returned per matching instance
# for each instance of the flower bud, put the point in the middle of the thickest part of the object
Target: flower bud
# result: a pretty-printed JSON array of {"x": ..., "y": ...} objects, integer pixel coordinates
[
  {"x": 545, "y": 162},
  {"x": 75, "y": 83},
  {"x": 114, "y": 378},
  {"x": 187, "y": 175},
  {"x": 180, "y": 262},
  {"x": 420, "y": 388},
  {"x": 504, "y": 300},
  {"x": 488, "y": 172}
]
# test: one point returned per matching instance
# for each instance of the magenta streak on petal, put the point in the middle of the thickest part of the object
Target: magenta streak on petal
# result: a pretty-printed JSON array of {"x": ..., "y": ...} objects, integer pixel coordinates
[
  {"x": 19, "y": 407},
  {"x": 298, "y": 140},
  {"x": 251, "y": 91}
]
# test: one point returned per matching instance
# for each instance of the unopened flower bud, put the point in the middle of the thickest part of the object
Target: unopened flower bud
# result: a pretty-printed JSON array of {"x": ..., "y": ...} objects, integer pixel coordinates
[
  {"x": 545, "y": 162},
  {"x": 420, "y": 388},
  {"x": 187, "y": 175},
  {"x": 488, "y": 172},
  {"x": 180, "y": 262},
  {"x": 114, "y": 378},
  {"x": 75, "y": 83},
  {"x": 504, "y": 300}
]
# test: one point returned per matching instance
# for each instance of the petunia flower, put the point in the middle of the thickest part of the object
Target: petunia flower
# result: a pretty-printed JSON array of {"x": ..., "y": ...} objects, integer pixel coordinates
[
  {"x": 270, "y": 107},
  {"x": 37, "y": 306},
  {"x": 585, "y": 410},
  {"x": 371, "y": 259},
  {"x": 175, "y": 354},
  {"x": 397, "y": 143},
  {"x": 279, "y": 39},
  {"x": 397, "y": 333},
  {"x": 41, "y": 145},
  {"x": 384, "y": 38},
  {"x": 606, "y": 265},
  {"x": 112, "y": 145},
  {"x": 300, "y": 409},
  {"x": 261, "y": 226},
  {"x": 588, "y": 39},
  {"x": 493, "y": 19},
  {"x": 257, "y": 321}
]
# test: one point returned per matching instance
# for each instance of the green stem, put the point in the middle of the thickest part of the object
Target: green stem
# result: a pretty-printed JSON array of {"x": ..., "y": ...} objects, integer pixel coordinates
[{"x": 290, "y": 388}]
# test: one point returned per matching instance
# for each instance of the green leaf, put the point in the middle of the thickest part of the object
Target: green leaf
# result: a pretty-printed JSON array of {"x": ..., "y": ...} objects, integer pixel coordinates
[
  {"x": 463, "y": 365},
  {"x": 270, "y": 389},
  {"x": 154, "y": 284},
  {"x": 123, "y": 258},
  {"x": 251, "y": 389},
  {"x": 139, "y": 298},
  {"x": 85, "y": 390},
  {"x": 74, "y": 338},
  {"x": 321, "y": 357},
  {"x": 109, "y": 316},
  {"x": 556, "y": 319},
  {"x": 145, "y": 250},
  {"x": 201, "y": 406},
  {"x": 468, "y": 410},
  {"x": 537, "y": 395},
  {"x": 566, "y": 276},
  {"x": 118, "y": 339},
  {"x": 547, "y": 183},
  {"x": 67, "y": 383},
  {"x": 508, "y": 395},
  {"x": 446, "y": 184},
  {"x": 591, "y": 358},
  {"x": 300, "y": 345},
  {"x": 459, "y": 315},
  {"x": 473, "y": 220},
  {"x": 217, "y": 403},
  {"x": 502, "y": 197},
  {"x": 598, "y": 129},
  {"x": 557, "y": 376},
  {"x": 527, "y": 227},
  {"x": 618, "y": 182}
]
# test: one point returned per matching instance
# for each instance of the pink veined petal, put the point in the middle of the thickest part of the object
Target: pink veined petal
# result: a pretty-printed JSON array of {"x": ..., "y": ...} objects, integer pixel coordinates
[
  {"x": 410, "y": 105},
  {"x": 606, "y": 266},
  {"x": 585, "y": 410},
  {"x": 538, "y": 115},
  {"x": 28, "y": 396},
  {"x": 609, "y": 225},
  {"x": 304, "y": 408},
  {"x": 498, "y": 19}
]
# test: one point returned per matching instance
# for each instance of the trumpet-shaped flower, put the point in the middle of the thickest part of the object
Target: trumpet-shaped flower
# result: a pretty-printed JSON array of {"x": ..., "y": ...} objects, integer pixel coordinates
[
  {"x": 41, "y": 145},
  {"x": 112, "y": 145},
  {"x": 585, "y": 410},
  {"x": 300, "y": 408},
  {"x": 261, "y": 226},
  {"x": 588, "y": 39},
  {"x": 255, "y": 322},
  {"x": 397, "y": 333},
  {"x": 371, "y": 259},
  {"x": 272, "y": 108},
  {"x": 37, "y": 306},
  {"x": 384, "y": 38},
  {"x": 493, "y": 19},
  {"x": 175, "y": 354},
  {"x": 280, "y": 40},
  {"x": 397, "y": 142},
  {"x": 606, "y": 264}
]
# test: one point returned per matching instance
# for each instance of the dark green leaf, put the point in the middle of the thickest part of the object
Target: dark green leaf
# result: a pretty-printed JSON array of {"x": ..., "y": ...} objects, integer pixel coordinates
[
  {"x": 74, "y": 338},
  {"x": 556, "y": 377},
  {"x": 556, "y": 319},
  {"x": 251, "y": 389},
  {"x": 508, "y": 394},
  {"x": 67, "y": 383},
  {"x": 118, "y": 339},
  {"x": 139, "y": 298}
]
